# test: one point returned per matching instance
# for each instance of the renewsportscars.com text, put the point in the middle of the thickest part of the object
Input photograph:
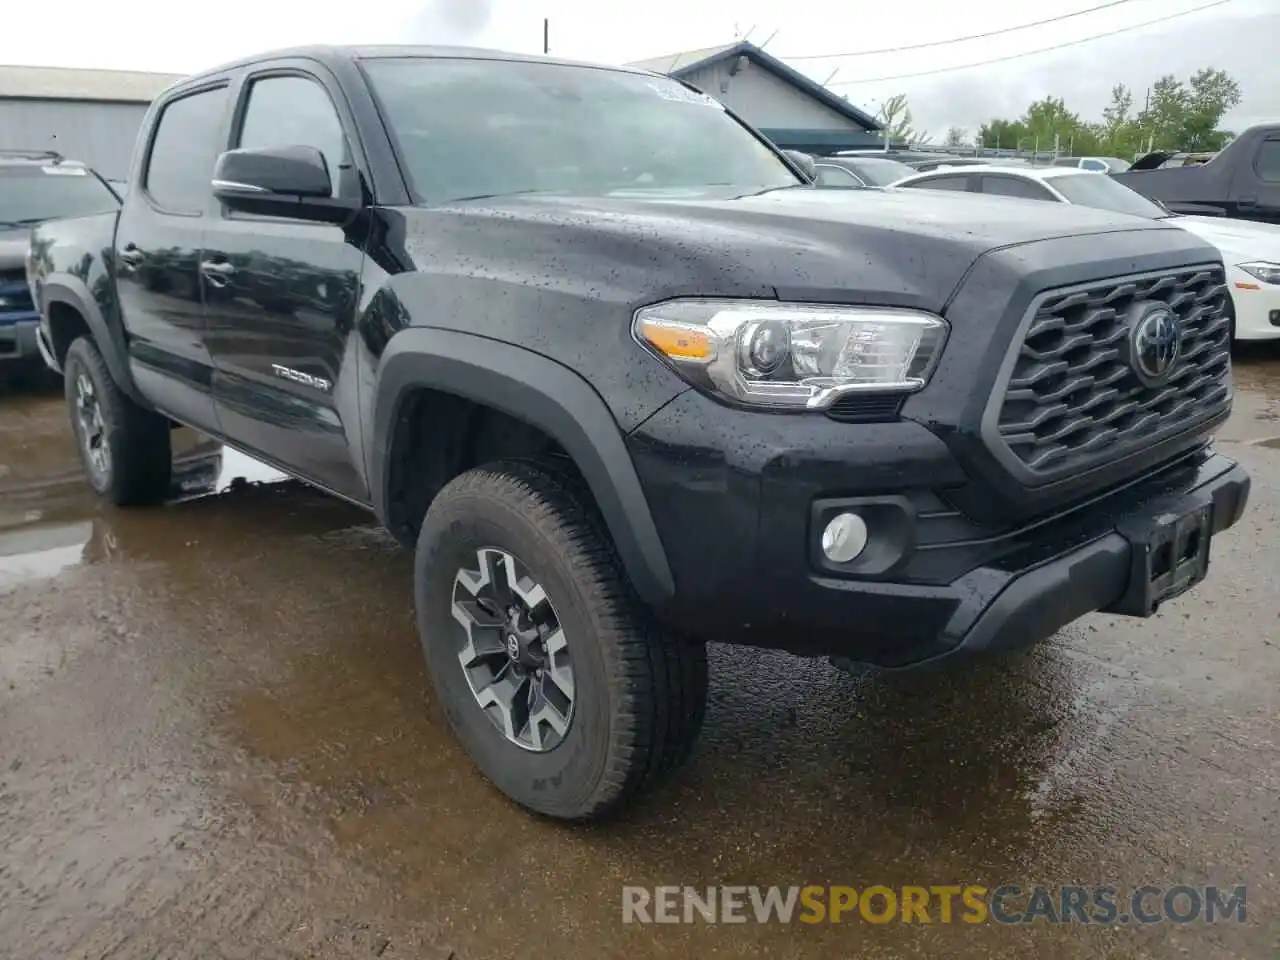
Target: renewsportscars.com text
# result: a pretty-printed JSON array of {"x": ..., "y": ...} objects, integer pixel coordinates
[{"x": 1006, "y": 904}]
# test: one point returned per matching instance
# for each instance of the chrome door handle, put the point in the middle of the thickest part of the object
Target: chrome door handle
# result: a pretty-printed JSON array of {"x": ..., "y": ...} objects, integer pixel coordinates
[{"x": 217, "y": 273}]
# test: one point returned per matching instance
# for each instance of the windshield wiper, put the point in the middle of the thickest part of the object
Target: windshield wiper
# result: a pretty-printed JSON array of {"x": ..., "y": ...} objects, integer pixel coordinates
[{"x": 494, "y": 196}]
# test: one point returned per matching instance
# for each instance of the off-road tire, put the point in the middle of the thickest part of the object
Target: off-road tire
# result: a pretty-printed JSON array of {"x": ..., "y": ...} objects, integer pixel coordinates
[
  {"x": 640, "y": 690},
  {"x": 139, "y": 460}
]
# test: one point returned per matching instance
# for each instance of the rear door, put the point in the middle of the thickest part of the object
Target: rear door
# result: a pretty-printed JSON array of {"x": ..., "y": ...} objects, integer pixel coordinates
[
  {"x": 281, "y": 295},
  {"x": 157, "y": 256}
]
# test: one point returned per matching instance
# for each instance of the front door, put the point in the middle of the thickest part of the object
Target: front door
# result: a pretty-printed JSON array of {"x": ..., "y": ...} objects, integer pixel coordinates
[
  {"x": 157, "y": 257},
  {"x": 281, "y": 297}
]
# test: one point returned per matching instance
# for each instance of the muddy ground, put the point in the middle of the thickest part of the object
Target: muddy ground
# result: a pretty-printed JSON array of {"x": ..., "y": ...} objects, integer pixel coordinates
[{"x": 217, "y": 741}]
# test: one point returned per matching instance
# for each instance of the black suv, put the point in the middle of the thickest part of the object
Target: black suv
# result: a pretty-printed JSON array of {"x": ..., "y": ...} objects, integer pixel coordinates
[
  {"x": 36, "y": 186},
  {"x": 628, "y": 382}
]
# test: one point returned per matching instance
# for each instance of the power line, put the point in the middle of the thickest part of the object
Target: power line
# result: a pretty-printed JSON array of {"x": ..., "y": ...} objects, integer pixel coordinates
[
  {"x": 1034, "y": 53},
  {"x": 972, "y": 36}
]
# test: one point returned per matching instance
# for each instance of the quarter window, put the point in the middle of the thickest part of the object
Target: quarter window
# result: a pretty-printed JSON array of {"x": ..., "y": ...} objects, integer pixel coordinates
[
  {"x": 184, "y": 151},
  {"x": 828, "y": 175},
  {"x": 292, "y": 112}
]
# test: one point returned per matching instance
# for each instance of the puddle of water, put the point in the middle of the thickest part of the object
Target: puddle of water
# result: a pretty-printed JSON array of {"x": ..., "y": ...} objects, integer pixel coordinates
[{"x": 40, "y": 553}]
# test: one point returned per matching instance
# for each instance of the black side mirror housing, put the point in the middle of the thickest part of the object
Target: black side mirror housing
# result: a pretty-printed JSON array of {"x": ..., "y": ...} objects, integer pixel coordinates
[
  {"x": 291, "y": 182},
  {"x": 804, "y": 161}
]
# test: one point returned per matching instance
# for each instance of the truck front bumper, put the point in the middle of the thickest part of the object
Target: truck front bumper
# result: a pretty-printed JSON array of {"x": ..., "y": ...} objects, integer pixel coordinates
[{"x": 741, "y": 500}]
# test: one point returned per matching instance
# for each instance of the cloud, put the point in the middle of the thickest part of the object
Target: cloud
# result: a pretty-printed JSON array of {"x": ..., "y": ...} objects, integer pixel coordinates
[
  {"x": 1084, "y": 76},
  {"x": 450, "y": 21}
]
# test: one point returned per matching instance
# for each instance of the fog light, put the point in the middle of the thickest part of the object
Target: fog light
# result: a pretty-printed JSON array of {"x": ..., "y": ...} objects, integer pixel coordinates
[{"x": 845, "y": 538}]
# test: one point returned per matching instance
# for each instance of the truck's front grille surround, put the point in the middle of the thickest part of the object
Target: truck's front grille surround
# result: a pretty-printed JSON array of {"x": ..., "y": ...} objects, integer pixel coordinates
[{"x": 1068, "y": 399}]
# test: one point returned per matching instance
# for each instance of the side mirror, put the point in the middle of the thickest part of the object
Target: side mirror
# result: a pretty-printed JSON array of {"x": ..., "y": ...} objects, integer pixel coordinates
[
  {"x": 804, "y": 161},
  {"x": 289, "y": 182}
]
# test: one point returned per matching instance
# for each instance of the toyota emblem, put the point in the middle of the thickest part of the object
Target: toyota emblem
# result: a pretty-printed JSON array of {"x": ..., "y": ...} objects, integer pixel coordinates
[{"x": 1155, "y": 342}]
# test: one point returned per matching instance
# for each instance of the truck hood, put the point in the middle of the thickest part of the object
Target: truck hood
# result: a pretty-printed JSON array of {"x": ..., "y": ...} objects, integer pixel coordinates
[
  {"x": 13, "y": 247},
  {"x": 1244, "y": 238},
  {"x": 893, "y": 247}
]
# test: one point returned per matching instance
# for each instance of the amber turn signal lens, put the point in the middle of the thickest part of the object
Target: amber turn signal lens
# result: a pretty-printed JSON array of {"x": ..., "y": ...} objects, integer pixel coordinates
[{"x": 677, "y": 341}]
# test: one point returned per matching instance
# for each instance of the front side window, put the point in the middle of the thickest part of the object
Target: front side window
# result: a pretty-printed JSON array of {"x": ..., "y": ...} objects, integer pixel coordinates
[
  {"x": 468, "y": 129},
  {"x": 33, "y": 194},
  {"x": 184, "y": 151},
  {"x": 294, "y": 111}
]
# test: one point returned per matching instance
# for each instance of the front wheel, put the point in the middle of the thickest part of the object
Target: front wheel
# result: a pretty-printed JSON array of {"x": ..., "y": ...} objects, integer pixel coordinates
[
  {"x": 125, "y": 449},
  {"x": 562, "y": 688}
]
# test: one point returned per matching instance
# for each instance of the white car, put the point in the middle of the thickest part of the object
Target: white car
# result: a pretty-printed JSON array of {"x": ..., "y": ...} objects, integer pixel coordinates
[{"x": 1250, "y": 250}]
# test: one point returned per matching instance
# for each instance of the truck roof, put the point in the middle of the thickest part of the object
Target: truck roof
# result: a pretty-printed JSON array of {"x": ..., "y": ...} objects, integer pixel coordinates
[{"x": 324, "y": 53}]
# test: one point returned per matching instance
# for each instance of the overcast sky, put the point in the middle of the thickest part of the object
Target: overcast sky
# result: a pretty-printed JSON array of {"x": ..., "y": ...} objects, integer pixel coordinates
[{"x": 1240, "y": 36}]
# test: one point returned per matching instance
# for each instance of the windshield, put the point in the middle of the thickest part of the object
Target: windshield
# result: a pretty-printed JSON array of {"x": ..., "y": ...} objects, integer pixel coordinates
[
  {"x": 881, "y": 173},
  {"x": 468, "y": 129},
  {"x": 29, "y": 195},
  {"x": 1099, "y": 190}
]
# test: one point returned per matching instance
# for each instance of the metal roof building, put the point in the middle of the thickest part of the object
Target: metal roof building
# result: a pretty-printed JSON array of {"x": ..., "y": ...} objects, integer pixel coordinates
[
  {"x": 786, "y": 106},
  {"x": 88, "y": 115}
]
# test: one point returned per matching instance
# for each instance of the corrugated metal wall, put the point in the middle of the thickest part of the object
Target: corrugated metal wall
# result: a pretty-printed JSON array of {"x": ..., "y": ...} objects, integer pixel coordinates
[{"x": 99, "y": 134}]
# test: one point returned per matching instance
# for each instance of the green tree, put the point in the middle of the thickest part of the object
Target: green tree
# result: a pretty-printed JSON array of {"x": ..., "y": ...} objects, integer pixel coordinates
[
  {"x": 1161, "y": 120},
  {"x": 1003, "y": 134},
  {"x": 1212, "y": 93},
  {"x": 1119, "y": 134},
  {"x": 895, "y": 117}
]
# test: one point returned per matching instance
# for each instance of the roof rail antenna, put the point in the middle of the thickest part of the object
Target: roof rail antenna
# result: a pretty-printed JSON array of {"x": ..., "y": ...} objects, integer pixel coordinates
[{"x": 33, "y": 155}]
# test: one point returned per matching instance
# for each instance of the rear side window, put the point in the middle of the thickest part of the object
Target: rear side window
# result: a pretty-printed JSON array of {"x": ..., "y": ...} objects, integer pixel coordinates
[
  {"x": 1013, "y": 187},
  {"x": 184, "y": 151},
  {"x": 1267, "y": 163},
  {"x": 294, "y": 111},
  {"x": 942, "y": 183}
]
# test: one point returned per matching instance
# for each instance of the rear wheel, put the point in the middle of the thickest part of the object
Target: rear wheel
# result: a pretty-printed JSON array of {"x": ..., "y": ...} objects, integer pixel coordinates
[
  {"x": 125, "y": 449},
  {"x": 563, "y": 689}
]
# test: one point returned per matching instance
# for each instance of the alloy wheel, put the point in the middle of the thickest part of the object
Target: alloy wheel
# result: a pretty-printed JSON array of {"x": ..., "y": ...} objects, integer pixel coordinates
[
  {"x": 93, "y": 431},
  {"x": 514, "y": 653}
]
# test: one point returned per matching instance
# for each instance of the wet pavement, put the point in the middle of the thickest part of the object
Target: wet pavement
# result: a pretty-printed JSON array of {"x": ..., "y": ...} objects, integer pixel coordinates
[{"x": 217, "y": 740}]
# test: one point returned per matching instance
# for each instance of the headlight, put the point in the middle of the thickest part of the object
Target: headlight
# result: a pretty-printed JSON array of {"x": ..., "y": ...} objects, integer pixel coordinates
[
  {"x": 793, "y": 355},
  {"x": 1262, "y": 270}
]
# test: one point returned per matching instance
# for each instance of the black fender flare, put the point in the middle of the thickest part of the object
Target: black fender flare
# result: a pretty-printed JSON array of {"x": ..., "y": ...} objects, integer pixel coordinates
[
  {"x": 73, "y": 292},
  {"x": 545, "y": 394}
]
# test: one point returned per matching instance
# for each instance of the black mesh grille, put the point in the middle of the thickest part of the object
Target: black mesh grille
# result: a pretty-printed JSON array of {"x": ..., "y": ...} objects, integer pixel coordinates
[{"x": 1073, "y": 400}]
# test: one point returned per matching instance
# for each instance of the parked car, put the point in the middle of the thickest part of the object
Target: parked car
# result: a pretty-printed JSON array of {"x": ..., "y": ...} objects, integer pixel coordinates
[
  {"x": 1242, "y": 181},
  {"x": 35, "y": 186},
  {"x": 667, "y": 393},
  {"x": 1251, "y": 251},
  {"x": 1094, "y": 164},
  {"x": 858, "y": 171}
]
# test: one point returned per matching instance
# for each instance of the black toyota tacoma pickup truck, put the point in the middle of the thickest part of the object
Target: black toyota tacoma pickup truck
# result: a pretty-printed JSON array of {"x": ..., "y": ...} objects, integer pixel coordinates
[{"x": 628, "y": 382}]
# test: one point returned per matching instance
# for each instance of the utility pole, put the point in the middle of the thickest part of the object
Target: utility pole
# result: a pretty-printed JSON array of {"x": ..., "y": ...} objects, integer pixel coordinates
[{"x": 546, "y": 35}]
